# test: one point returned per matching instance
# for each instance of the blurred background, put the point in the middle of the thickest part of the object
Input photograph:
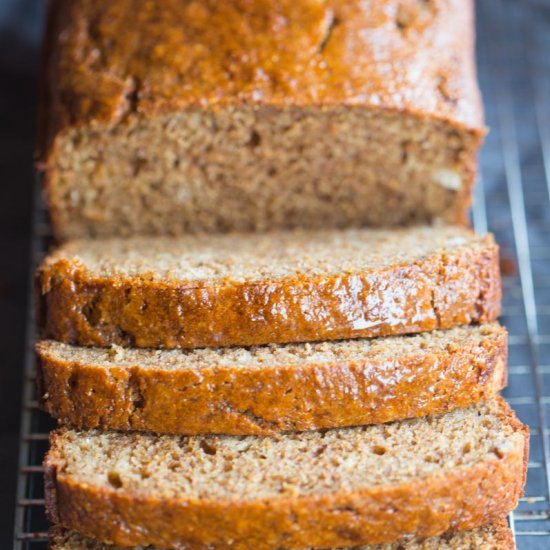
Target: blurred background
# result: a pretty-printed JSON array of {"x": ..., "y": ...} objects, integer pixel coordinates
[
  {"x": 512, "y": 200},
  {"x": 20, "y": 32}
]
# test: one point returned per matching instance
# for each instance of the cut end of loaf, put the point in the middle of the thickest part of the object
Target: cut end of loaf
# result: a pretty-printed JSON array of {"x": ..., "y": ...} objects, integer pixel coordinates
[{"x": 260, "y": 168}]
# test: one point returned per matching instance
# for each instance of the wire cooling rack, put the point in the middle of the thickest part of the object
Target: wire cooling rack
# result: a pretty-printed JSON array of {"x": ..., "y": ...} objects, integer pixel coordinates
[{"x": 512, "y": 201}]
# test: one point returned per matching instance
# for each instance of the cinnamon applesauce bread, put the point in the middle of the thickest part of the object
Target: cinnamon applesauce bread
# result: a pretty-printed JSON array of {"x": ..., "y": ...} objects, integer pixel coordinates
[
  {"x": 497, "y": 536},
  {"x": 177, "y": 115},
  {"x": 248, "y": 289},
  {"x": 330, "y": 488},
  {"x": 268, "y": 389}
]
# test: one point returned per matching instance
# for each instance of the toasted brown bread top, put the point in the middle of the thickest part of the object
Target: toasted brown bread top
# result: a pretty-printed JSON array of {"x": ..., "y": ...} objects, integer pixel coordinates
[{"x": 106, "y": 62}]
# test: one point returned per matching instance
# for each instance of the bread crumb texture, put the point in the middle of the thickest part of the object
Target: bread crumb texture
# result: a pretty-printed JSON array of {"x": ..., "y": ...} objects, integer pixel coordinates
[{"x": 256, "y": 257}]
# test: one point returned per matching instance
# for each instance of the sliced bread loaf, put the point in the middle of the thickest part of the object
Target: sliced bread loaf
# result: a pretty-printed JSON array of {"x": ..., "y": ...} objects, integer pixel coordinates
[
  {"x": 497, "y": 536},
  {"x": 242, "y": 115},
  {"x": 267, "y": 389},
  {"x": 341, "y": 487},
  {"x": 257, "y": 289}
]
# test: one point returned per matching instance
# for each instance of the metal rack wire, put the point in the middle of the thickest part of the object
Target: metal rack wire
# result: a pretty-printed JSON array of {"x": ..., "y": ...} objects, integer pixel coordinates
[{"x": 512, "y": 201}]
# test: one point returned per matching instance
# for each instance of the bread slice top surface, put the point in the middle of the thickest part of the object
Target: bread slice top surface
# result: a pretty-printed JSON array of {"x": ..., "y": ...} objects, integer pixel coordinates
[
  {"x": 497, "y": 536},
  {"x": 273, "y": 355},
  {"x": 225, "y": 468},
  {"x": 260, "y": 257}
]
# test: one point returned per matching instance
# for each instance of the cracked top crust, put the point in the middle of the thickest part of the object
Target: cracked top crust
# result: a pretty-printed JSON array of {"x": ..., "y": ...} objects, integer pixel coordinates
[{"x": 107, "y": 61}]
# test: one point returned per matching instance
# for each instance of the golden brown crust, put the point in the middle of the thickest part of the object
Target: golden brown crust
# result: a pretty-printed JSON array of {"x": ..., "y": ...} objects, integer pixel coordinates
[
  {"x": 438, "y": 292},
  {"x": 463, "y": 499},
  {"x": 273, "y": 398},
  {"x": 107, "y": 62}
]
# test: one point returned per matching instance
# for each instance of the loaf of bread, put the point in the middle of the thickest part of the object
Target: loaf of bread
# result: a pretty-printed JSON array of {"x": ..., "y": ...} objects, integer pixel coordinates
[
  {"x": 268, "y": 389},
  {"x": 174, "y": 116},
  {"x": 250, "y": 289},
  {"x": 497, "y": 536},
  {"x": 341, "y": 487}
]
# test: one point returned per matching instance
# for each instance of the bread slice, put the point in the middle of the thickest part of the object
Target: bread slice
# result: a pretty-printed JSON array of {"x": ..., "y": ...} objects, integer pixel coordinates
[
  {"x": 497, "y": 536},
  {"x": 268, "y": 389},
  {"x": 342, "y": 487},
  {"x": 241, "y": 115},
  {"x": 267, "y": 288}
]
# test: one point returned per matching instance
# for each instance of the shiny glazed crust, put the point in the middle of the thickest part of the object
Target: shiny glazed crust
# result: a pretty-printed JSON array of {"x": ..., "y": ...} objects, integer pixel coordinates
[
  {"x": 438, "y": 292},
  {"x": 270, "y": 399},
  {"x": 431, "y": 74},
  {"x": 463, "y": 499}
]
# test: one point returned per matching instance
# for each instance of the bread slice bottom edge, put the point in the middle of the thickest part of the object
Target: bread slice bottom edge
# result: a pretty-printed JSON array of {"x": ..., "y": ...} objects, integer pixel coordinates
[{"x": 495, "y": 536}]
